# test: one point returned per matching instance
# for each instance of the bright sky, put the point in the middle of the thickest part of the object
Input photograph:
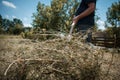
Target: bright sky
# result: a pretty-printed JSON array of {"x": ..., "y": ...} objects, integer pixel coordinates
[{"x": 24, "y": 9}]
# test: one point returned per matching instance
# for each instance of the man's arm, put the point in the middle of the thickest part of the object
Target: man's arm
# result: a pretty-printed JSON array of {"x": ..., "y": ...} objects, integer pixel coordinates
[{"x": 88, "y": 11}]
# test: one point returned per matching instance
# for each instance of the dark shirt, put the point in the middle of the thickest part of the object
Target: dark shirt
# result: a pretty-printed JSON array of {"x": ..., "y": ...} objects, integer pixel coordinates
[{"x": 88, "y": 20}]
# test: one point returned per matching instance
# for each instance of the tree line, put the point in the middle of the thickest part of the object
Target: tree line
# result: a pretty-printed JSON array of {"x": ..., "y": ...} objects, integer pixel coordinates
[{"x": 7, "y": 26}]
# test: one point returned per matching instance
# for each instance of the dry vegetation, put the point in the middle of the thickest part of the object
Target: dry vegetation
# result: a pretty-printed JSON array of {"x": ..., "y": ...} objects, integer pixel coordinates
[{"x": 56, "y": 59}]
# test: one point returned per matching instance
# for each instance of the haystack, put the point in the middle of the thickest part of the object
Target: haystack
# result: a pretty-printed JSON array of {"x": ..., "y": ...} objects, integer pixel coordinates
[{"x": 56, "y": 59}]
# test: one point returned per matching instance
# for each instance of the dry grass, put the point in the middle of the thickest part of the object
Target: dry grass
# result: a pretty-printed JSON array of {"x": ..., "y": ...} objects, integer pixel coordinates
[{"x": 56, "y": 59}]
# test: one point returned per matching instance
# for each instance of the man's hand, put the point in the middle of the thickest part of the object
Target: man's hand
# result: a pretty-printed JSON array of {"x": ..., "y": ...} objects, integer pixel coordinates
[{"x": 75, "y": 19}]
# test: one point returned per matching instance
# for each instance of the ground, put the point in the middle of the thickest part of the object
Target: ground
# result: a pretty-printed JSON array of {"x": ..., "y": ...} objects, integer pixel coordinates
[{"x": 56, "y": 59}]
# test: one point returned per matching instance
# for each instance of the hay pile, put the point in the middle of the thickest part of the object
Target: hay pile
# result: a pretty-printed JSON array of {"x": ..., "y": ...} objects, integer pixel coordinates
[{"x": 56, "y": 59}]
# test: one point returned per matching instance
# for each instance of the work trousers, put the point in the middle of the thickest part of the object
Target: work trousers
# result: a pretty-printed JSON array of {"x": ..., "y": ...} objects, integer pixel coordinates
[{"x": 86, "y": 30}]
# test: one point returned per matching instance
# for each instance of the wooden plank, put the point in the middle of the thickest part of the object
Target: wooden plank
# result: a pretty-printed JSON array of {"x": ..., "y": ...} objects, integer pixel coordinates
[{"x": 106, "y": 42}]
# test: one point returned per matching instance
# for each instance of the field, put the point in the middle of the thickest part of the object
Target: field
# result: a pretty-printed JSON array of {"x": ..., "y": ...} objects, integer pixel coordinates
[{"x": 56, "y": 59}]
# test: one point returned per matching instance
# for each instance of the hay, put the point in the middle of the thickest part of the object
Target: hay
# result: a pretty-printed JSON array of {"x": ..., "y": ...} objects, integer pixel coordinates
[{"x": 56, "y": 59}]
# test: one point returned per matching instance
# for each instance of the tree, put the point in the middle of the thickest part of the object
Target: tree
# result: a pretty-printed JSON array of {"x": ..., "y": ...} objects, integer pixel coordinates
[
  {"x": 17, "y": 21},
  {"x": 6, "y": 24},
  {"x": 95, "y": 27},
  {"x": 1, "y": 30},
  {"x": 0, "y": 21},
  {"x": 64, "y": 11},
  {"x": 11, "y": 27},
  {"x": 18, "y": 26},
  {"x": 40, "y": 18},
  {"x": 113, "y": 16},
  {"x": 57, "y": 16},
  {"x": 17, "y": 29}
]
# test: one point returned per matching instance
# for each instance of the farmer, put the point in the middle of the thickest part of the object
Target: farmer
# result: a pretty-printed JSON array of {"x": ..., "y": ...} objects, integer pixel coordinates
[{"x": 84, "y": 17}]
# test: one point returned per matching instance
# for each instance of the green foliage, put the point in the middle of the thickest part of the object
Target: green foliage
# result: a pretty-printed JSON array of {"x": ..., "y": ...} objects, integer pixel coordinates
[
  {"x": 113, "y": 14},
  {"x": 110, "y": 31},
  {"x": 95, "y": 27},
  {"x": 17, "y": 29},
  {"x": 22, "y": 34},
  {"x": 10, "y": 27},
  {"x": 28, "y": 35},
  {"x": 113, "y": 17},
  {"x": 113, "y": 31},
  {"x": 1, "y": 30},
  {"x": 57, "y": 16},
  {"x": 0, "y": 21}
]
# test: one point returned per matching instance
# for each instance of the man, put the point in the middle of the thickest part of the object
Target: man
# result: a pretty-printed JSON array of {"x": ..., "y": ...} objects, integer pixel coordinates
[{"x": 84, "y": 16}]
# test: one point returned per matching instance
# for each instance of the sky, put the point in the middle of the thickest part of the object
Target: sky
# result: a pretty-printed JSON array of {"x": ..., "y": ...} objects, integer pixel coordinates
[{"x": 24, "y": 9}]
